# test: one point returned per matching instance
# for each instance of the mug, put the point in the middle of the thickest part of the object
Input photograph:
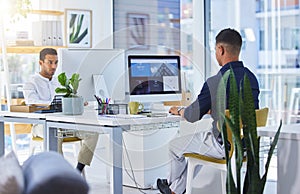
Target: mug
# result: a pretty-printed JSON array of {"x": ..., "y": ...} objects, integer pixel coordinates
[{"x": 135, "y": 107}]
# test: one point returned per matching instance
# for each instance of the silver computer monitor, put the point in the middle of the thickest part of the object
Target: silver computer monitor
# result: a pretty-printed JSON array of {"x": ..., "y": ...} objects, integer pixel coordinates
[{"x": 102, "y": 71}]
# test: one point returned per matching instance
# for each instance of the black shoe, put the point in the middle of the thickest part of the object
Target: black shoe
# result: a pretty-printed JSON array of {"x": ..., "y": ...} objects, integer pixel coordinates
[
  {"x": 163, "y": 186},
  {"x": 165, "y": 181}
]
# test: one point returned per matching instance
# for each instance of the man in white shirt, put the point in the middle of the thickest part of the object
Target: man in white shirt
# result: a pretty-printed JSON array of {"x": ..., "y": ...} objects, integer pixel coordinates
[{"x": 40, "y": 89}]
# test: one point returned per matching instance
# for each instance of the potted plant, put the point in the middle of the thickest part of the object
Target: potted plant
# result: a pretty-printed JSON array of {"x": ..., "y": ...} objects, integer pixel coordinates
[
  {"x": 241, "y": 108},
  {"x": 71, "y": 103}
]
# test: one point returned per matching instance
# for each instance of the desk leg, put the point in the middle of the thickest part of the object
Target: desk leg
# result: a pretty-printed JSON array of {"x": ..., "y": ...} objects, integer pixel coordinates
[
  {"x": 116, "y": 148},
  {"x": 288, "y": 166},
  {"x": 46, "y": 137},
  {"x": 2, "y": 148},
  {"x": 52, "y": 139}
]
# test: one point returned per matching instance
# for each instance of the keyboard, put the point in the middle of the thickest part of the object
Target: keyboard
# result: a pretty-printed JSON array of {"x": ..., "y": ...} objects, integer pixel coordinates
[{"x": 45, "y": 111}]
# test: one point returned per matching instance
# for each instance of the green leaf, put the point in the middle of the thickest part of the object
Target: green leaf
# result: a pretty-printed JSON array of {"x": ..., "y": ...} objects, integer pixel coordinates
[
  {"x": 234, "y": 109},
  {"x": 61, "y": 90},
  {"x": 79, "y": 24},
  {"x": 79, "y": 38},
  {"x": 221, "y": 98},
  {"x": 74, "y": 81},
  {"x": 72, "y": 20},
  {"x": 62, "y": 78}
]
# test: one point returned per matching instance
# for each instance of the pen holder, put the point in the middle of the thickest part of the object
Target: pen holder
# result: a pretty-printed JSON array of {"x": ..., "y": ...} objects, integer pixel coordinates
[
  {"x": 103, "y": 108},
  {"x": 112, "y": 109}
]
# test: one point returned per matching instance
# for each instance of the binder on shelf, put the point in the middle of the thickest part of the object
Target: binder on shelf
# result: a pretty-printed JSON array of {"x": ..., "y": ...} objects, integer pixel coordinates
[
  {"x": 47, "y": 33},
  {"x": 59, "y": 33},
  {"x": 38, "y": 33},
  {"x": 53, "y": 33}
]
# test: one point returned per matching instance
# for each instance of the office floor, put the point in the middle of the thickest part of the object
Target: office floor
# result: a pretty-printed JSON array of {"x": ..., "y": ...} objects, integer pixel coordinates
[
  {"x": 98, "y": 182},
  {"x": 96, "y": 173}
]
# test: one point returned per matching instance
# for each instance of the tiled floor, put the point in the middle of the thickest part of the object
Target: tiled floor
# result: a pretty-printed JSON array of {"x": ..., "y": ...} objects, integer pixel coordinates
[
  {"x": 96, "y": 173},
  {"x": 99, "y": 183}
]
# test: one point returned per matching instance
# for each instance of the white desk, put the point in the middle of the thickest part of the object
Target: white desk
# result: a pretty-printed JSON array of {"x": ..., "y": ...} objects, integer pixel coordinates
[
  {"x": 288, "y": 156},
  {"x": 18, "y": 117},
  {"x": 91, "y": 122}
]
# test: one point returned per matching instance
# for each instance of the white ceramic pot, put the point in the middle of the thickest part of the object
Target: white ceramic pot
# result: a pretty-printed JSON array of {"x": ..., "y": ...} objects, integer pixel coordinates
[{"x": 72, "y": 105}]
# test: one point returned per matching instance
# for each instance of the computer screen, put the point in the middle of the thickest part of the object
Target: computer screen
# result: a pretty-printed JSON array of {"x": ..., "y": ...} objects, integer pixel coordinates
[
  {"x": 103, "y": 71},
  {"x": 154, "y": 78}
]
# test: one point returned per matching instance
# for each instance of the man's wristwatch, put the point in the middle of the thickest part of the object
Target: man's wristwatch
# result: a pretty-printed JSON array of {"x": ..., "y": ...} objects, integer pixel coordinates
[{"x": 179, "y": 109}]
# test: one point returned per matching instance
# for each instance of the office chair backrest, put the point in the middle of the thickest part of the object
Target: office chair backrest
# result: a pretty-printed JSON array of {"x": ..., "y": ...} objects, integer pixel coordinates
[{"x": 261, "y": 120}]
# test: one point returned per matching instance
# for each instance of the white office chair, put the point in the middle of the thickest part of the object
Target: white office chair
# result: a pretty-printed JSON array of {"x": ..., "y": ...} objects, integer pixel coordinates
[{"x": 293, "y": 111}]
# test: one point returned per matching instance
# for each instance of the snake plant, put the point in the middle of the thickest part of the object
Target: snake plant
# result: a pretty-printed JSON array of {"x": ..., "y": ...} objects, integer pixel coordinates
[{"x": 241, "y": 108}]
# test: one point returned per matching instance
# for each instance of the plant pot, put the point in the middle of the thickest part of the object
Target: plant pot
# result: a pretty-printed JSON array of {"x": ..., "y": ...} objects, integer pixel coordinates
[{"x": 72, "y": 105}]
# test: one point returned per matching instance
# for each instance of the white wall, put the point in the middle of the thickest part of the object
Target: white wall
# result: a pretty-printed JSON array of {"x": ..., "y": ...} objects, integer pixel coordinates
[{"x": 101, "y": 17}]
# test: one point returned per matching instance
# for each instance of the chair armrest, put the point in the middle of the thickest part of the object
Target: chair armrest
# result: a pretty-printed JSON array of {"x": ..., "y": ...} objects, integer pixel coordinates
[{"x": 205, "y": 158}]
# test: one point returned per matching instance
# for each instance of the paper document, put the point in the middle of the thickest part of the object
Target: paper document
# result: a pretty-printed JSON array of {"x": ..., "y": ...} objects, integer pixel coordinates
[{"x": 124, "y": 116}]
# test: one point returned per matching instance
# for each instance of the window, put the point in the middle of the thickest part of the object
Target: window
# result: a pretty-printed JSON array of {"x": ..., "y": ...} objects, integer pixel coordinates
[{"x": 274, "y": 54}]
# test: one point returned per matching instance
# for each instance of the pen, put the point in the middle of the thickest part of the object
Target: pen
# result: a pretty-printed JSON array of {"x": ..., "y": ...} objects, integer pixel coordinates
[{"x": 98, "y": 100}]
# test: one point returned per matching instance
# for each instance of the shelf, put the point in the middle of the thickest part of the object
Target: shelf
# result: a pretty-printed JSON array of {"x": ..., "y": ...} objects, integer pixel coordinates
[
  {"x": 47, "y": 12},
  {"x": 34, "y": 49},
  {"x": 28, "y": 49}
]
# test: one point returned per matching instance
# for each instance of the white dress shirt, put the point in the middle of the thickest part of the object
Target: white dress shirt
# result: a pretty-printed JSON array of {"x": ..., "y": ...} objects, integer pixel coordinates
[{"x": 39, "y": 90}]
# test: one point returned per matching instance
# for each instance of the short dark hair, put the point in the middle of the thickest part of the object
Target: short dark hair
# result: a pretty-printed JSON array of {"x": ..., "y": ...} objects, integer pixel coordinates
[
  {"x": 232, "y": 38},
  {"x": 47, "y": 51}
]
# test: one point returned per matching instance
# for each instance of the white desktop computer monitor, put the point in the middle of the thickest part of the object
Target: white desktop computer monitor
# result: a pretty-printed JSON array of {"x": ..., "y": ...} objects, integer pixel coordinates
[
  {"x": 103, "y": 71},
  {"x": 154, "y": 78}
]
